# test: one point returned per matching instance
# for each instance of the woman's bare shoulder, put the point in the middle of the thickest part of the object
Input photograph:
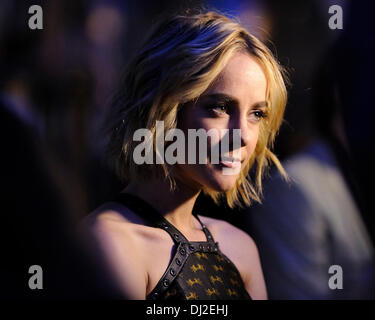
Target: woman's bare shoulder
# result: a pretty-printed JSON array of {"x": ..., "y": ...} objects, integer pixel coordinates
[
  {"x": 114, "y": 225},
  {"x": 122, "y": 224},
  {"x": 111, "y": 213},
  {"x": 117, "y": 229},
  {"x": 226, "y": 231}
]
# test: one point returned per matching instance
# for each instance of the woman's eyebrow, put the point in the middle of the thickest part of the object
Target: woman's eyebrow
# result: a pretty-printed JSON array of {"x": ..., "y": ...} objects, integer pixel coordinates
[
  {"x": 232, "y": 100},
  {"x": 261, "y": 104},
  {"x": 221, "y": 97}
]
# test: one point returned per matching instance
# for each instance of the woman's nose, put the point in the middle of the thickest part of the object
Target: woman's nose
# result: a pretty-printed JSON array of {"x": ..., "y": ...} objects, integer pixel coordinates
[{"x": 239, "y": 129}]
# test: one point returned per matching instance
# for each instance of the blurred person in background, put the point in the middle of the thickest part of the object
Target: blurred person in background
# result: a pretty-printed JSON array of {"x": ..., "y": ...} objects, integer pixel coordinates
[
  {"x": 321, "y": 218},
  {"x": 39, "y": 224}
]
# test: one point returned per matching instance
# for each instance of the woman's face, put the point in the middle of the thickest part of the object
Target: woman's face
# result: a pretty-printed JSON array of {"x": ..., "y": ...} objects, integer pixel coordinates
[{"x": 235, "y": 100}]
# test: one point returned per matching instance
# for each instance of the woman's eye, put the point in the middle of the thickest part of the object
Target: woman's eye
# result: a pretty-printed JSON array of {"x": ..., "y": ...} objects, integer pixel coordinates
[
  {"x": 257, "y": 115},
  {"x": 219, "y": 109}
]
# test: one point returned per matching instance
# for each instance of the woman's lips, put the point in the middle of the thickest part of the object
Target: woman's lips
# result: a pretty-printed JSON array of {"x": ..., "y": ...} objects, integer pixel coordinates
[{"x": 230, "y": 162}]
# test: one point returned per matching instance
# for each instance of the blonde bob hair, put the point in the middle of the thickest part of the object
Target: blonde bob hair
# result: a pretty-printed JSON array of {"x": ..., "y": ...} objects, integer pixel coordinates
[{"x": 182, "y": 57}]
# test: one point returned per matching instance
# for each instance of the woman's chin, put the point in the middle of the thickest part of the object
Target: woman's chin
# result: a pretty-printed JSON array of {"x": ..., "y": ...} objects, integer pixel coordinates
[
  {"x": 210, "y": 178},
  {"x": 223, "y": 184}
]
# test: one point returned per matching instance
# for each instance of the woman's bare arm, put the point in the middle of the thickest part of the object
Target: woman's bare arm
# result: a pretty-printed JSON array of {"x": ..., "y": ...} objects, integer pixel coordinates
[{"x": 254, "y": 283}]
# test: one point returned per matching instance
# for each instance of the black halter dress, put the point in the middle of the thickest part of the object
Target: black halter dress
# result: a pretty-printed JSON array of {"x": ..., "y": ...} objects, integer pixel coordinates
[{"x": 198, "y": 270}]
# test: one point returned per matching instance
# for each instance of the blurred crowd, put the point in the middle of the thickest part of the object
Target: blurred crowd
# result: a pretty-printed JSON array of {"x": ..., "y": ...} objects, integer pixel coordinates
[{"x": 55, "y": 88}]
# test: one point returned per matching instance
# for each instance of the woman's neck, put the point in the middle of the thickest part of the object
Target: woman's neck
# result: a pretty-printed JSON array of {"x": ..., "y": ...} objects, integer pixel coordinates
[{"x": 176, "y": 206}]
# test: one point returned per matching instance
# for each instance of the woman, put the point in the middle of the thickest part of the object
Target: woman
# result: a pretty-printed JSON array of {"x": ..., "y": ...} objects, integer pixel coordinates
[{"x": 201, "y": 71}]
